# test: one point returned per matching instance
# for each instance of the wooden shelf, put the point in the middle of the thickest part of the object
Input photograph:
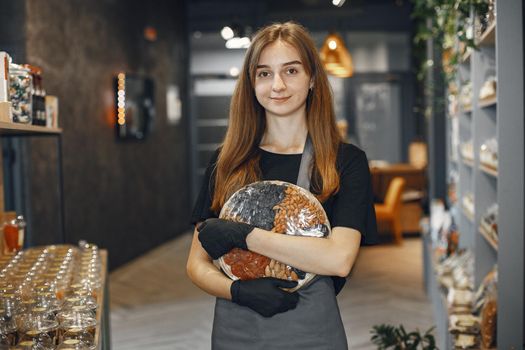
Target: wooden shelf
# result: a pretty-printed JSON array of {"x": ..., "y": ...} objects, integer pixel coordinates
[
  {"x": 488, "y": 38},
  {"x": 488, "y": 102},
  {"x": 488, "y": 238},
  {"x": 25, "y": 129},
  {"x": 468, "y": 215},
  {"x": 488, "y": 170}
]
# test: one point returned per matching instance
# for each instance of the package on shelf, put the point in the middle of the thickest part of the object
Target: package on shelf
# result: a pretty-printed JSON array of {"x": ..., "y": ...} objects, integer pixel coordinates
[
  {"x": 468, "y": 203},
  {"x": 38, "y": 93},
  {"x": 453, "y": 104},
  {"x": 487, "y": 286},
  {"x": 51, "y": 111},
  {"x": 466, "y": 341},
  {"x": 453, "y": 179},
  {"x": 488, "y": 155},
  {"x": 4, "y": 76},
  {"x": 464, "y": 323},
  {"x": 489, "y": 315},
  {"x": 465, "y": 96},
  {"x": 467, "y": 150},
  {"x": 489, "y": 222},
  {"x": 488, "y": 89},
  {"x": 456, "y": 271},
  {"x": 20, "y": 93}
]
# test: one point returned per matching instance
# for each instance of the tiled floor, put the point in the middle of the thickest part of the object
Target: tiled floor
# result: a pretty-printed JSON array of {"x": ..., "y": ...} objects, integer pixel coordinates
[{"x": 155, "y": 306}]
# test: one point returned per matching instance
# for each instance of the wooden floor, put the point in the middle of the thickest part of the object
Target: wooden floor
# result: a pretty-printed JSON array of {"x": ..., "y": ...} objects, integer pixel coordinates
[{"x": 155, "y": 306}]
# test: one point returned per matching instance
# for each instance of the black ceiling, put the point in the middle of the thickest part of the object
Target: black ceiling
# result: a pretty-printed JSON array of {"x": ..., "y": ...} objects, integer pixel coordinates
[{"x": 317, "y": 15}]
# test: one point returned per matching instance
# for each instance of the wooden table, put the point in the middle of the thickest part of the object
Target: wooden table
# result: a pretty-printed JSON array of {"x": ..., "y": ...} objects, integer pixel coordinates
[
  {"x": 102, "y": 335},
  {"x": 381, "y": 176},
  {"x": 415, "y": 178}
]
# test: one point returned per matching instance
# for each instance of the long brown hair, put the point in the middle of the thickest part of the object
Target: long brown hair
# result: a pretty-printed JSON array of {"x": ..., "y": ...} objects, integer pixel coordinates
[{"x": 238, "y": 161}]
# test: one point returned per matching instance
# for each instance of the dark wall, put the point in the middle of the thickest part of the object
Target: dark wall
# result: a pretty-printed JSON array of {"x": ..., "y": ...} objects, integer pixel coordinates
[{"x": 124, "y": 196}]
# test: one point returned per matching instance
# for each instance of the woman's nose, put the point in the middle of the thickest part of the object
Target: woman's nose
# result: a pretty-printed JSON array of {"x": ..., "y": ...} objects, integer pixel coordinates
[{"x": 278, "y": 83}]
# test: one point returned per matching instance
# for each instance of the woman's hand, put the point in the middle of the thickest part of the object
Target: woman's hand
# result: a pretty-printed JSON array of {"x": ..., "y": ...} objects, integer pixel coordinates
[
  {"x": 264, "y": 295},
  {"x": 219, "y": 236}
]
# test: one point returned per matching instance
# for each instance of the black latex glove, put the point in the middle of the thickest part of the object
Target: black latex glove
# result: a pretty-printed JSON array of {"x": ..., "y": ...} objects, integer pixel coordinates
[
  {"x": 219, "y": 236},
  {"x": 264, "y": 296}
]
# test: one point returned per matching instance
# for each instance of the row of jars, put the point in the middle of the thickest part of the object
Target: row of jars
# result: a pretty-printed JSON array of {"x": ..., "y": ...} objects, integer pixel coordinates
[{"x": 48, "y": 297}]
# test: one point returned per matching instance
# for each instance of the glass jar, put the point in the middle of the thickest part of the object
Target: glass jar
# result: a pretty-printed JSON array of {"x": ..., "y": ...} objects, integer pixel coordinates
[
  {"x": 81, "y": 298},
  {"x": 20, "y": 91},
  {"x": 78, "y": 323},
  {"x": 39, "y": 325},
  {"x": 8, "y": 328},
  {"x": 72, "y": 344}
]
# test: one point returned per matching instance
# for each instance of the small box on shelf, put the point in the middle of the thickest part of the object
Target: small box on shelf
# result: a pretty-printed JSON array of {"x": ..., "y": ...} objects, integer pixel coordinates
[
  {"x": 488, "y": 237},
  {"x": 489, "y": 170},
  {"x": 6, "y": 115}
]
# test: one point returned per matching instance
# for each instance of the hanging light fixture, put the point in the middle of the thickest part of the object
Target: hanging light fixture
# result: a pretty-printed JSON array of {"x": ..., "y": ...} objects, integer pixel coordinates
[{"x": 336, "y": 59}]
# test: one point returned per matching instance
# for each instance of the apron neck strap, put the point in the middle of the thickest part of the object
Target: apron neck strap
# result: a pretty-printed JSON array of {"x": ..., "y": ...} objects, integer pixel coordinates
[{"x": 303, "y": 179}]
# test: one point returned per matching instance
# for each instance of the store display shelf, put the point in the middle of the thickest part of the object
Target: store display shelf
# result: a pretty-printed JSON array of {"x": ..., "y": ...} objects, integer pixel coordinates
[
  {"x": 437, "y": 296},
  {"x": 466, "y": 56},
  {"x": 488, "y": 238},
  {"x": 488, "y": 38},
  {"x": 488, "y": 170},
  {"x": 467, "y": 213},
  {"x": 23, "y": 129},
  {"x": 468, "y": 161},
  {"x": 490, "y": 102}
]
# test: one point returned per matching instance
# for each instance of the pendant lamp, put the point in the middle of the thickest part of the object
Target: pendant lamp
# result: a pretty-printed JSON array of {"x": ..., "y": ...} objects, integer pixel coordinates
[{"x": 335, "y": 57}]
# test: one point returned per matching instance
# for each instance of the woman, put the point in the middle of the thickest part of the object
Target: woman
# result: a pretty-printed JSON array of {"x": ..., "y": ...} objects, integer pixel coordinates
[{"x": 281, "y": 112}]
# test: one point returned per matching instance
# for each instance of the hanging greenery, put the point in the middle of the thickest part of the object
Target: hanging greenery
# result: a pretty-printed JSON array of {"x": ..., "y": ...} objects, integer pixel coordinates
[{"x": 451, "y": 25}]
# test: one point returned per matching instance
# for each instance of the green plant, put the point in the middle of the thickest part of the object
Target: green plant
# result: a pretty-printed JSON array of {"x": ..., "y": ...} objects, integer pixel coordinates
[
  {"x": 446, "y": 21},
  {"x": 396, "y": 338}
]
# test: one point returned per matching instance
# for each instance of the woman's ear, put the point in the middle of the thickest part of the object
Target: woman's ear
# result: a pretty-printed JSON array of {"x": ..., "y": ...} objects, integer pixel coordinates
[{"x": 311, "y": 85}]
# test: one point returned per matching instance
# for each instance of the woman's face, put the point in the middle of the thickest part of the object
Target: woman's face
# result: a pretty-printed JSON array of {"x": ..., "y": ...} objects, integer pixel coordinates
[{"x": 281, "y": 81}]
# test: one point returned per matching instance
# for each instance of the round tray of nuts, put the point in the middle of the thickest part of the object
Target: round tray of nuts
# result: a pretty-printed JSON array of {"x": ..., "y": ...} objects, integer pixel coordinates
[{"x": 276, "y": 206}]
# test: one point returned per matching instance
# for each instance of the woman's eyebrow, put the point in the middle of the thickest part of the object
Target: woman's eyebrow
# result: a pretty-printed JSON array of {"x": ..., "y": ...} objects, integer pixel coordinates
[{"x": 284, "y": 64}]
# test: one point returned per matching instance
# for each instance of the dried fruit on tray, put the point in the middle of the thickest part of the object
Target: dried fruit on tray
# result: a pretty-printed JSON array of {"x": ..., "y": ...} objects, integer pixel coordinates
[{"x": 275, "y": 206}]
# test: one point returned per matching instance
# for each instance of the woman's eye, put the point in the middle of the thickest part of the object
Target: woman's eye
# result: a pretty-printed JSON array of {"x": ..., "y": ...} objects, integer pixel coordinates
[
  {"x": 292, "y": 71},
  {"x": 263, "y": 74}
]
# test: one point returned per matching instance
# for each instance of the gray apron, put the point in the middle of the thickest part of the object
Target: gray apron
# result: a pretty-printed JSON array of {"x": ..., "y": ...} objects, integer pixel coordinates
[{"x": 314, "y": 324}]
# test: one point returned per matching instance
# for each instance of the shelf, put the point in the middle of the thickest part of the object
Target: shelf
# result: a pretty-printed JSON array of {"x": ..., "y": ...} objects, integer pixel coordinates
[
  {"x": 466, "y": 56},
  {"x": 468, "y": 162},
  {"x": 467, "y": 109},
  {"x": 488, "y": 170},
  {"x": 488, "y": 38},
  {"x": 488, "y": 238},
  {"x": 25, "y": 129},
  {"x": 491, "y": 102}
]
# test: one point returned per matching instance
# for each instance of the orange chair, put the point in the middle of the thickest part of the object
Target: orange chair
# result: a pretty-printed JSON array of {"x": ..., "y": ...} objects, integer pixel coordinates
[{"x": 390, "y": 211}]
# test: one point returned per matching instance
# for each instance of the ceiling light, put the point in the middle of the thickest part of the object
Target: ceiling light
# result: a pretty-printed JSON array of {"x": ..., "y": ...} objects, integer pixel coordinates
[
  {"x": 238, "y": 43},
  {"x": 338, "y": 3},
  {"x": 335, "y": 57},
  {"x": 234, "y": 71},
  {"x": 227, "y": 33}
]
